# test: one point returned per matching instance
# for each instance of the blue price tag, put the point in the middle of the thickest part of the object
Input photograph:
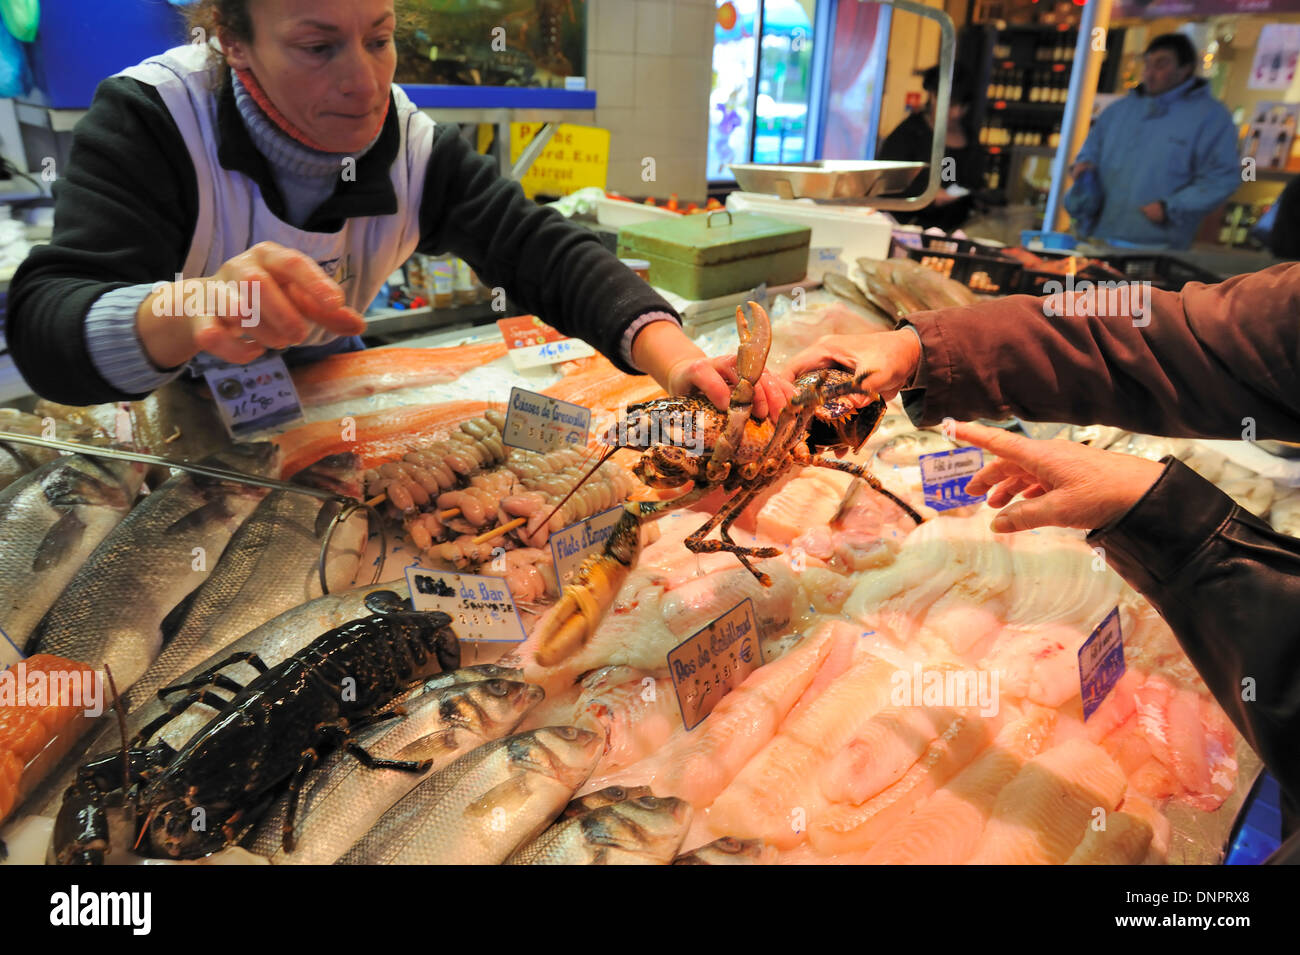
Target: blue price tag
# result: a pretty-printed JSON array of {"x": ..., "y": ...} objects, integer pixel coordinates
[
  {"x": 1101, "y": 662},
  {"x": 575, "y": 543},
  {"x": 9, "y": 652},
  {"x": 254, "y": 396},
  {"x": 713, "y": 662},
  {"x": 945, "y": 474}
]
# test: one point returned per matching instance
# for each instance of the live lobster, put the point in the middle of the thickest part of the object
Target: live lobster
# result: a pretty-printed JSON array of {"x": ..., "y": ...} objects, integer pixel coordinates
[
  {"x": 268, "y": 734},
  {"x": 688, "y": 440}
]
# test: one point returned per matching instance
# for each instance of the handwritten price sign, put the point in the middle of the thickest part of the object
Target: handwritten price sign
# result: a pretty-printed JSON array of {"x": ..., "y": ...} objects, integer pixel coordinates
[
  {"x": 532, "y": 343},
  {"x": 1101, "y": 662},
  {"x": 945, "y": 474},
  {"x": 254, "y": 396},
  {"x": 538, "y": 423},
  {"x": 481, "y": 608},
  {"x": 715, "y": 661}
]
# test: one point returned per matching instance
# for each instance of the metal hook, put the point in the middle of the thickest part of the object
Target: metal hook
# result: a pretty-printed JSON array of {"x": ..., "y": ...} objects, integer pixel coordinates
[{"x": 344, "y": 513}]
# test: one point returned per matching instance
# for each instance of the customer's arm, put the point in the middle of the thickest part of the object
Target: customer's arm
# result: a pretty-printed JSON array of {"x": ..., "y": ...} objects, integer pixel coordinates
[
  {"x": 1214, "y": 360},
  {"x": 1227, "y": 584}
]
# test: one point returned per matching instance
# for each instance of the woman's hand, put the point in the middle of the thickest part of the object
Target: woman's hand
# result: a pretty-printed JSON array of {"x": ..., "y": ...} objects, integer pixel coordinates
[
  {"x": 888, "y": 359},
  {"x": 715, "y": 377},
  {"x": 662, "y": 350},
  {"x": 1063, "y": 484},
  {"x": 267, "y": 297}
]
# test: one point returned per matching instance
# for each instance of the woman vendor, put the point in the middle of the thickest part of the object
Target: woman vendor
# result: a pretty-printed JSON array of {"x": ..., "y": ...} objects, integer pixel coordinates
[
  {"x": 1216, "y": 361},
  {"x": 280, "y": 182}
]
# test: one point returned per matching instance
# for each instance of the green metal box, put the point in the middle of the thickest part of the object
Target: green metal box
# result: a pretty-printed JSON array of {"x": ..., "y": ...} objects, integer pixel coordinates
[{"x": 707, "y": 256}]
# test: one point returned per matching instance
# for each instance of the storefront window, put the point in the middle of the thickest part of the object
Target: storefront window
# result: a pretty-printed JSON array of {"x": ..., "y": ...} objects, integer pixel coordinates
[{"x": 767, "y": 121}]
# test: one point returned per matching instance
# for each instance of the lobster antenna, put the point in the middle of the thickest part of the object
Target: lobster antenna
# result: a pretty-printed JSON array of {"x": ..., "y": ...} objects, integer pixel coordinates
[
  {"x": 121, "y": 728},
  {"x": 604, "y": 456}
]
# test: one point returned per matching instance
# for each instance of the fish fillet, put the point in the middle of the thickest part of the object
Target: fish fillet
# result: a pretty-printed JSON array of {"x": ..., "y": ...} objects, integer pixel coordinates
[
  {"x": 945, "y": 829},
  {"x": 360, "y": 373},
  {"x": 1124, "y": 841},
  {"x": 376, "y": 437},
  {"x": 840, "y": 827},
  {"x": 1046, "y": 810},
  {"x": 781, "y": 778},
  {"x": 697, "y": 765}
]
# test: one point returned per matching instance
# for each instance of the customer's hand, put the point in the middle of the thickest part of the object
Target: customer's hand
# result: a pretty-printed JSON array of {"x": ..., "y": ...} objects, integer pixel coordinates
[
  {"x": 1063, "y": 484},
  {"x": 267, "y": 297},
  {"x": 887, "y": 359},
  {"x": 1155, "y": 211}
]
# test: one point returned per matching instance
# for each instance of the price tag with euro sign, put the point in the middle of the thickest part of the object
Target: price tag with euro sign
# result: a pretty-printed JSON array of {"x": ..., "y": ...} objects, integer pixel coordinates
[
  {"x": 481, "y": 608},
  {"x": 713, "y": 662},
  {"x": 538, "y": 423},
  {"x": 531, "y": 343},
  {"x": 945, "y": 474},
  {"x": 254, "y": 396}
]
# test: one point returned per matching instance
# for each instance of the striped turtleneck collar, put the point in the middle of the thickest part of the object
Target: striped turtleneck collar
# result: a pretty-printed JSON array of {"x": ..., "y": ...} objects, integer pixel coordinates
[{"x": 277, "y": 140}]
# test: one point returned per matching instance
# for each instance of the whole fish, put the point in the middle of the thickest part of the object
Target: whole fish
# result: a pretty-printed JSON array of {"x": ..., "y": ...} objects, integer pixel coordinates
[
  {"x": 19, "y": 459},
  {"x": 51, "y": 520},
  {"x": 602, "y": 798},
  {"x": 346, "y": 798},
  {"x": 112, "y": 611},
  {"x": 177, "y": 421},
  {"x": 644, "y": 830},
  {"x": 474, "y": 674},
  {"x": 480, "y": 808},
  {"x": 273, "y": 642},
  {"x": 270, "y": 565},
  {"x": 729, "y": 851}
]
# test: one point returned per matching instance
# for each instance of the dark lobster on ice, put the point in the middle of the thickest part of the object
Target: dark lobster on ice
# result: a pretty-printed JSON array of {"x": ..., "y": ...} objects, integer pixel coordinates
[
  {"x": 688, "y": 440},
  {"x": 269, "y": 733}
]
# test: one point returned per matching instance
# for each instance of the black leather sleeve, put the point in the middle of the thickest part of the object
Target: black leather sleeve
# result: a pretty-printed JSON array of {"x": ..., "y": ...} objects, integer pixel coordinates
[{"x": 1229, "y": 587}]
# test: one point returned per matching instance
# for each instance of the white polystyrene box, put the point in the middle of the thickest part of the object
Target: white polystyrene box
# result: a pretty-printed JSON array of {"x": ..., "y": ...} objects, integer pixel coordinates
[{"x": 856, "y": 231}]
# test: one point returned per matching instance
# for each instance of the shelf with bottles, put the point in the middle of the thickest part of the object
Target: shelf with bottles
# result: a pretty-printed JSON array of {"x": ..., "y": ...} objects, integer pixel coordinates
[
  {"x": 998, "y": 134},
  {"x": 1238, "y": 219},
  {"x": 1022, "y": 46},
  {"x": 1047, "y": 85}
]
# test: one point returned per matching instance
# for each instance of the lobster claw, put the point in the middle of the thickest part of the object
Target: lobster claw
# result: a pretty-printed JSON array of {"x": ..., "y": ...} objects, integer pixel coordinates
[{"x": 751, "y": 358}]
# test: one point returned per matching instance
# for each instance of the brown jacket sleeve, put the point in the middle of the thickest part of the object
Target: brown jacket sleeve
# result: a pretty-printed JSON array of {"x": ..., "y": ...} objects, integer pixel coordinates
[{"x": 1199, "y": 363}]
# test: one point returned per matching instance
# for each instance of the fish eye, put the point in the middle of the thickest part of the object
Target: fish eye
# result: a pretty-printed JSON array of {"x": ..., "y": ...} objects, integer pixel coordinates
[
  {"x": 497, "y": 687},
  {"x": 567, "y": 732},
  {"x": 647, "y": 802}
]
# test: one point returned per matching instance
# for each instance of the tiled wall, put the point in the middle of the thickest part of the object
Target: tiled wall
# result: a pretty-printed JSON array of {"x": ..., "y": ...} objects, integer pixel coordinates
[{"x": 650, "y": 63}]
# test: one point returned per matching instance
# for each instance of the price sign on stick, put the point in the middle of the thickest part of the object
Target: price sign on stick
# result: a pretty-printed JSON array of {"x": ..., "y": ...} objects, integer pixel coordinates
[
  {"x": 538, "y": 423},
  {"x": 481, "y": 608},
  {"x": 945, "y": 474},
  {"x": 1101, "y": 662},
  {"x": 715, "y": 661},
  {"x": 254, "y": 396}
]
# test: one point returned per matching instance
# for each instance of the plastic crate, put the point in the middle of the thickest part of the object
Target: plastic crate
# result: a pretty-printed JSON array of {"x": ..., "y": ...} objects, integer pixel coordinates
[
  {"x": 988, "y": 274},
  {"x": 939, "y": 243},
  {"x": 1032, "y": 280},
  {"x": 1162, "y": 271}
]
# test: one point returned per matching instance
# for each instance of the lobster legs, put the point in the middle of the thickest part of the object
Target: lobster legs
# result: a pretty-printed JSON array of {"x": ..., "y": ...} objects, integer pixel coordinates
[{"x": 860, "y": 470}]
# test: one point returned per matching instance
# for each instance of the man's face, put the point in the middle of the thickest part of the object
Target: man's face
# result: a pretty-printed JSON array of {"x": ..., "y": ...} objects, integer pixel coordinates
[
  {"x": 327, "y": 65},
  {"x": 1161, "y": 72}
]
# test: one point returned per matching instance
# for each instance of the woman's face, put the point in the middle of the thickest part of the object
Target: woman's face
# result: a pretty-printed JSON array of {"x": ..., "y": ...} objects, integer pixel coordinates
[{"x": 327, "y": 65}]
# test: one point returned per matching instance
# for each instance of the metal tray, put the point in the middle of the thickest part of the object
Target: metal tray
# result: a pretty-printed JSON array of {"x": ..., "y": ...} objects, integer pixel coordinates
[{"x": 827, "y": 178}]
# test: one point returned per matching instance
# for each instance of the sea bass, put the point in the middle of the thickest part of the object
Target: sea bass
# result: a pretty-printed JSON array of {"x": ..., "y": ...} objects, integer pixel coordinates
[
  {"x": 112, "y": 611},
  {"x": 345, "y": 798},
  {"x": 643, "y": 830},
  {"x": 51, "y": 521},
  {"x": 729, "y": 851},
  {"x": 483, "y": 806},
  {"x": 19, "y": 459},
  {"x": 602, "y": 798},
  {"x": 270, "y": 565}
]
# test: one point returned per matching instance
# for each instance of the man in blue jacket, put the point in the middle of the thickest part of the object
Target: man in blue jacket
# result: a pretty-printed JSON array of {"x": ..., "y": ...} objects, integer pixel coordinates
[{"x": 1166, "y": 153}]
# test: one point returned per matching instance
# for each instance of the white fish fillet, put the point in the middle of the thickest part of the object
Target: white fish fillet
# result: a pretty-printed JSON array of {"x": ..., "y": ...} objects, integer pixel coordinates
[{"x": 1045, "y": 811}]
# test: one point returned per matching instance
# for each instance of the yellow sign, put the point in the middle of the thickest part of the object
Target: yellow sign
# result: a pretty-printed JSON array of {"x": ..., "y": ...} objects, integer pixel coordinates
[{"x": 575, "y": 158}]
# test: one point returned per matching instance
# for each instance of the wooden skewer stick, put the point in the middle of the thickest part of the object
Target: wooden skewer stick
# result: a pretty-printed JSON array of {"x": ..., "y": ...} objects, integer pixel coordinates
[
  {"x": 449, "y": 512},
  {"x": 501, "y": 529},
  {"x": 377, "y": 500}
]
